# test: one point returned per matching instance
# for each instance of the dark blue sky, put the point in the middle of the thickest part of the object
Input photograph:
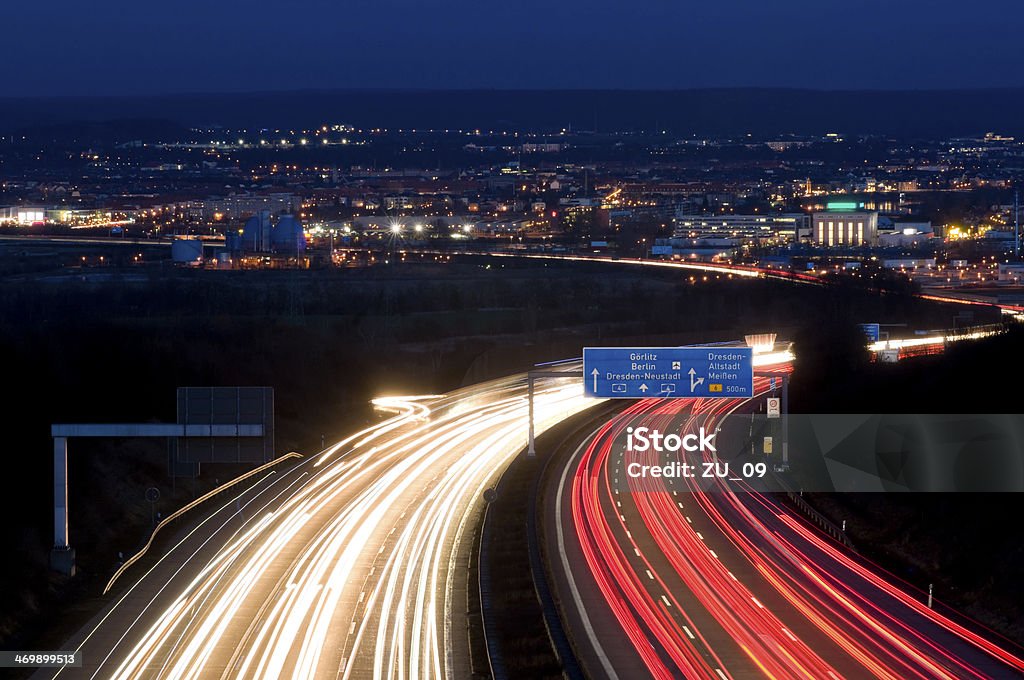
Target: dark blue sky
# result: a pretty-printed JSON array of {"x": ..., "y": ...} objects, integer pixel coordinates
[{"x": 153, "y": 46}]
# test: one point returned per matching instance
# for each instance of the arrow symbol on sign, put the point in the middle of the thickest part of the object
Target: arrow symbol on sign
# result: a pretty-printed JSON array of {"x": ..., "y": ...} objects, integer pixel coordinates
[
  {"x": 643, "y": 388},
  {"x": 595, "y": 373},
  {"x": 694, "y": 381}
]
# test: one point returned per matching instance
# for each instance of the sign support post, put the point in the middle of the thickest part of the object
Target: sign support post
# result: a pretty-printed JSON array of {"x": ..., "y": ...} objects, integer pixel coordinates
[
  {"x": 785, "y": 421},
  {"x": 531, "y": 449}
]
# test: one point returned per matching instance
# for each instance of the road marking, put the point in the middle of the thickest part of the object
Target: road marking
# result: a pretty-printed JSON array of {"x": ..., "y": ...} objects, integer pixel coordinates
[
  {"x": 680, "y": 505},
  {"x": 757, "y": 603},
  {"x": 689, "y": 634},
  {"x": 665, "y": 599},
  {"x": 689, "y": 520},
  {"x": 637, "y": 551},
  {"x": 649, "y": 574},
  {"x": 274, "y": 478},
  {"x": 700, "y": 536},
  {"x": 722, "y": 675},
  {"x": 713, "y": 553},
  {"x": 361, "y": 596},
  {"x": 622, "y": 517},
  {"x": 352, "y": 628},
  {"x": 629, "y": 535},
  {"x": 789, "y": 635},
  {"x": 732, "y": 576},
  {"x": 560, "y": 534}
]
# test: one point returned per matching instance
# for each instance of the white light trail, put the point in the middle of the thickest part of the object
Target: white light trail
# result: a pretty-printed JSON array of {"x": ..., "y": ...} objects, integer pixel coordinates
[{"x": 360, "y": 562}]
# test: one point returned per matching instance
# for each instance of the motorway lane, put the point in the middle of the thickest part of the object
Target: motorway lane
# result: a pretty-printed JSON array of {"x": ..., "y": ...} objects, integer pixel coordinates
[
  {"x": 730, "y": 584},
  {"x": 349, "y": 565},
  {"x": 672, "y": 632},
  {"x": 887, "y": 630},
  {"x": 114, "y": 625},
  {"x": 850, "y": 585},
  {"x": 588, "y": 617}
]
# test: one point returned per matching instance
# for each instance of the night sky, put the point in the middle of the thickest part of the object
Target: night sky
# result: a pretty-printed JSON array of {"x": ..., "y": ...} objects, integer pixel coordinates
[{"x": 153, "y": 46}]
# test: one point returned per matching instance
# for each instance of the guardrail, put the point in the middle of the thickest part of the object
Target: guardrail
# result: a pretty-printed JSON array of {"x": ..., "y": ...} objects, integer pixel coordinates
[
  {"x": 937, "y": 338},
  {"x": 557, "y": 636},
  {"x": 189, "y": 506},
  {"x": 823, "y": 522},
  {"x": 552, "y": 621},
  {"x": 495, "y": 660},
  {"x": 560, "y": 642}
]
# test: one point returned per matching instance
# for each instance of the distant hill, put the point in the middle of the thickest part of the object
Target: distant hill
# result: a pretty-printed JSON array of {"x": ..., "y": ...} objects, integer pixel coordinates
[
  {"x": 90, "y": 132},
  {"x": 700, "y": 112}
]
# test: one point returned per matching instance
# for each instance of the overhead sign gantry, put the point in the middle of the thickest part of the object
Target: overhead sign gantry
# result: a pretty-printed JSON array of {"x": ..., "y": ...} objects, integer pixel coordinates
[
  {"x": 215, "y": 424},
  {"x": 668, "y": 372}
]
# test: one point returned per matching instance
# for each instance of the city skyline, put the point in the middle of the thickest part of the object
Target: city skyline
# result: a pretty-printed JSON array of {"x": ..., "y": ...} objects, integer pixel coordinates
[{"x": 566, "y": 341}]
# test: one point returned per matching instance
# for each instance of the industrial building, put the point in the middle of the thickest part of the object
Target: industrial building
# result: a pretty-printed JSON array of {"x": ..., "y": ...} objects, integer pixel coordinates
[
  {"x": 904, "y": 234},
  {"x": 236, "y": 206},
  {"x": 287, "y": 236},
  {"x": 1012, "y": 272},
  {"x": 263, "y": 243},
  {"x": 30, "y": 215},
  {"x": 786, "y": 227},
  {"x": 187, "y": 250},
  {"x": 260, "y": 235}
]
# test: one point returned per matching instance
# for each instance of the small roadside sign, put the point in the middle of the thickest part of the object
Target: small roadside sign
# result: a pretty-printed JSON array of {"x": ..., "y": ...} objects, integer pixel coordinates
[{"x": 872, "y": 331}]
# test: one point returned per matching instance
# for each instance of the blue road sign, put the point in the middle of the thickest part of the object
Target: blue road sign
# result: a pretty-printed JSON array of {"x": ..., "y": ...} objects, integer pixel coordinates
[
  {"x": 872, "y": 331},
  {"x": 672, "y": 372}
]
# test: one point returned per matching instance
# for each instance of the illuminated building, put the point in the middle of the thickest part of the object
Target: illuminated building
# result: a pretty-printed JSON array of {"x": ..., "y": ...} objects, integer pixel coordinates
[
  {"x": 28, "y": 215},
  {"x": 23, "y": 215},
  {"x": 843, "y": 225},
  {"x": 744, "y": 227},
  {"x": 904, "y": 234},
  {"x": 237, "y": 206}
]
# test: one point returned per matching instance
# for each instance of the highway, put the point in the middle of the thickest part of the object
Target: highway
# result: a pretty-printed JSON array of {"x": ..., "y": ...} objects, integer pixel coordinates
[
  {"x": 354, "y": 564},
  {"x": 669, "y": 578},
  {"x": 351, "y": 564}
]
